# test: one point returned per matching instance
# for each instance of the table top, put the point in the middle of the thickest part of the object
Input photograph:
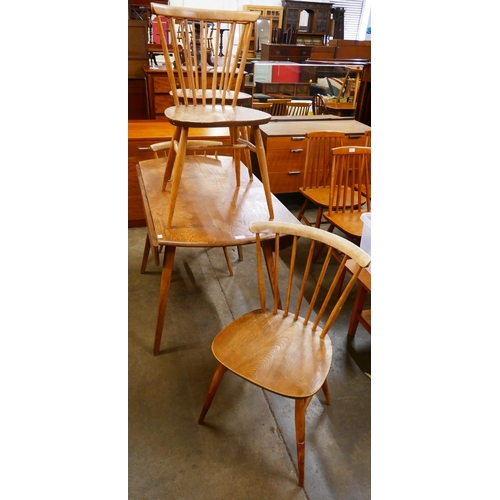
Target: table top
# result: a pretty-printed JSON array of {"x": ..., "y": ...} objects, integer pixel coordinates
[
  {"x": 210, "y": 210},
  {"x": 303, "y": 125},
  {"x": 160, "y": 129}
]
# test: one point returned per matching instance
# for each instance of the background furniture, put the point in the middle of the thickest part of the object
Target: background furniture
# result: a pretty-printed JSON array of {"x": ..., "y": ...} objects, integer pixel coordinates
[
  {"x": 351, "y": 171},
  {"x": 276, "y": 347},
  {"x": 317, "y": 172},
  {"x": 364, "y": 288},
  {"x": 285, "y": 142},
  {"x": 298, "y": 108},
  {"x": 143, "y": 133},
  {"x": 316, "y": 16},
  {"x": 137, "y": 58},
  {"x": 270, "y": 20}
]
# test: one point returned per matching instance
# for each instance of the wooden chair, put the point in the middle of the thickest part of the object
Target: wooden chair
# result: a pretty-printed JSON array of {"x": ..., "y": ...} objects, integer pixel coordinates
[
  {"x": 285, "y": 350},
  {"x": 317, "y": 173},
  {"x": 351, "y": 167},
  {"x": 206, "y": 88},
  {"x": 264, "y": 106},
  {"x": 298, "y": 108},
  {"x": 211, "y": 147},
  {"x": 279, "y": 106},
  {"x": 319, "y": 105}
]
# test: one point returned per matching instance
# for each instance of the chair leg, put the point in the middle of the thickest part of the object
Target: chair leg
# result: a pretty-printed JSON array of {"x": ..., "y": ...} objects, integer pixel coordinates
[
  {"x": 145, "y": 255},
  {"x": 301, "y": 215},
  {"x": 240, "y": 252},
  {"x": 326, "y": 392},
  {"x": 216, "y": 380},
  {"x": 300, "y": 435},
  {"x": 228, "y": 260}
]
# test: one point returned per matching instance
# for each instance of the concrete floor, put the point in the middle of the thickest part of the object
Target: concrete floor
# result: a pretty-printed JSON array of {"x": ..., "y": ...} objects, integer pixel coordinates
[{"x": 246, "y": 448}]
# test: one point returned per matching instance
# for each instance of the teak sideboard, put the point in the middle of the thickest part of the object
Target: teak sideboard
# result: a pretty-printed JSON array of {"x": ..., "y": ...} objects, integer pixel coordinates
[{"x": 286, "y": 143}]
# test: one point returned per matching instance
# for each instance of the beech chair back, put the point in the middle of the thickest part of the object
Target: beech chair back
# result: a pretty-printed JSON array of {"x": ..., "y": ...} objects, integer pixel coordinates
[
  {"x": 283, "y": 347},
  {"x": 202, "y": 69},
  {"x": 279, "y": 106},
  {"x": 319, "y": 105},
  {"x": 298, "y": 108},
  {"x": 351, "y": 178}
]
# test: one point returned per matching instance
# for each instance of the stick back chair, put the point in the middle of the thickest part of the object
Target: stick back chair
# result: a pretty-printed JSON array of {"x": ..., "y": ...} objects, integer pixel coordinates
[
  {"x": 286, "y": 350},
  {"x": 317, "y": 173},
  {"x": 206, "y": 87},
  {"x": 319, "y": 105},
  {"x": 351, "y": 168},
  {"x": 279, "y": 106},
  {"x": 298, "y": 108}
]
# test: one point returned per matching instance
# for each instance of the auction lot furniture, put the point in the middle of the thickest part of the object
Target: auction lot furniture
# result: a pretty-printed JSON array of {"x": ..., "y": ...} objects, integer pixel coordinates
[
  {"x": 285, "y": 139},
  {"x": 211, "y": 211},
  {"x": 280, "y": 347}
]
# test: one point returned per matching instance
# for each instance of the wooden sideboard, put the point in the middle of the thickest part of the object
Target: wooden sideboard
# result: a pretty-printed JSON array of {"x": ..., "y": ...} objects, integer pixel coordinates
[
  {"x": 143, "y": 133},
  {"x": 291, "y": 89},
  {"x": 286, "y": 143},
  {"x": 285, "y": 52}
]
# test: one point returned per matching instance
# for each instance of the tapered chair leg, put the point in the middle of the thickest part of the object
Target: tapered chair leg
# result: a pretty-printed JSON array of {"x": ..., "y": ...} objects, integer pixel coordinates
[
  {"x": 216, "y": 380},
  {"x": 326, "y": 392},
  {"x": 300, "y": 435},
  {"x": 228, "y": 260},
  {"x": 300, "y": 215}
]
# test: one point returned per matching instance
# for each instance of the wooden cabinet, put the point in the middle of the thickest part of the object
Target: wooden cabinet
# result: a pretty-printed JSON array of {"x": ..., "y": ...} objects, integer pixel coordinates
[
  {"x": 143, "y": 133},
  {"x": 286, "y": 143},
  {"x": 291, "y": 89},
  {"x": 307, "y": 18},
  {"x": 275, "y": 17},
  {"x": 284, "y": 52}
]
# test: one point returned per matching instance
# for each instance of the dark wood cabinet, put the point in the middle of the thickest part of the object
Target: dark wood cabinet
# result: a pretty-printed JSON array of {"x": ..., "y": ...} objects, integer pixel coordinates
[{"x": 312, "y": 18}]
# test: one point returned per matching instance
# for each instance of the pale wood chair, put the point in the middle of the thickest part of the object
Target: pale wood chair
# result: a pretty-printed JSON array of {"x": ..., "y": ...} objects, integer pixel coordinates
[
  {"x": 206, "y": 88},
  {"x": 264, "y": 106},
  {"x": 319, "y": 105},
  {"x": 298, "y": 108},
  {"x": 317, "y": 173},
  {"x": 279, "y": 106},
  {"x": 351, "y": 167},
  {"x": 283, "y": 347},
  {"x": 211, "y": 147}
]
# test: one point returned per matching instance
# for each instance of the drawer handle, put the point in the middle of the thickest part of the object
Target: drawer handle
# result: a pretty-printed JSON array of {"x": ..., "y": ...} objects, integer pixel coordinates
[
  {"x": 355, "y": 136},
  {"x": 144, "y": 149},
  {"x": 295, "y": 172},
  {"x": 298, "y": 138},
  {"x": 296, "y": 150}
]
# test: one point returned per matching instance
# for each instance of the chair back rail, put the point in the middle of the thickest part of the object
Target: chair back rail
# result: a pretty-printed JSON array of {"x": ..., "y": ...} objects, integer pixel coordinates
[{"x": 199, "y": 34}]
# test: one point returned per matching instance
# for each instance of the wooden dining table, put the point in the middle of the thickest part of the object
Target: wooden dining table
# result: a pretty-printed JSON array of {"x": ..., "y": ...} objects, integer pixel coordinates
[{"x": 211, "y": 211}]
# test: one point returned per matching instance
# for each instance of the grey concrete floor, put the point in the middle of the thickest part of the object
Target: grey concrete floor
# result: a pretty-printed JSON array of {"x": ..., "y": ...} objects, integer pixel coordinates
[{"x": 246, "y": 448}]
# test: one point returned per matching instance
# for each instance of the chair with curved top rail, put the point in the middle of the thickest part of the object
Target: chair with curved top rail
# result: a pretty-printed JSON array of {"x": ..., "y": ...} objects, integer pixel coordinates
[
  {"x": 282, "y": 347},
  {"x": 319, "y": 105},
  {"x": 206, "y": 88}
]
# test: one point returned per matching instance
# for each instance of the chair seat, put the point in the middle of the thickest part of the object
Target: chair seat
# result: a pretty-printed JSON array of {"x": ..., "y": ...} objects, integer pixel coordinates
[
  {"x": 279, "y": 360},
  {"x": 348, "y": 222},
  {"x": 215, "y": 116},
  {"x": 320, "y": 195}
]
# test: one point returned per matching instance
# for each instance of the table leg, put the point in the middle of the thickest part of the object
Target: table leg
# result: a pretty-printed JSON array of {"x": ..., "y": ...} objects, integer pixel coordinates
[
  {"x": 358, "y": 307},
  {"x": 261, "y": 157},
  {"x": 177, "y": 174},
  {"x": 166, "y": 276}
]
